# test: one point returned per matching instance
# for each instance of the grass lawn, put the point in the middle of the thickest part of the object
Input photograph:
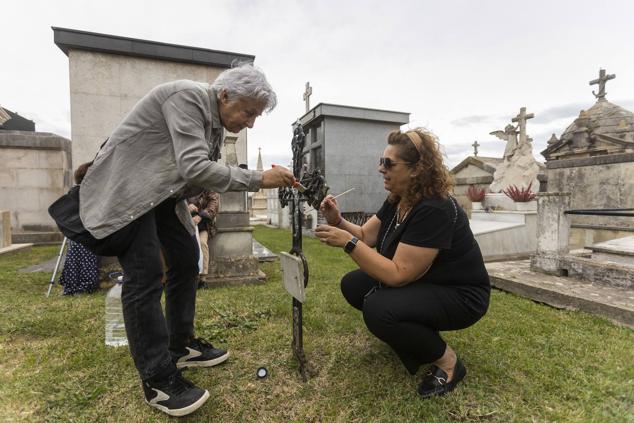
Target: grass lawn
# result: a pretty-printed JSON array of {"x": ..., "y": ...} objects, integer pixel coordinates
[{"x": 525, "y": 361}]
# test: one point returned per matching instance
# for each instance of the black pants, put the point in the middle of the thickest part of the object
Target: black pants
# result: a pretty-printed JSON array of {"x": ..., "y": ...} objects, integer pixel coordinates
[
  {"x": 152, "y": 335},
  {"x": 409, "y": 318}
]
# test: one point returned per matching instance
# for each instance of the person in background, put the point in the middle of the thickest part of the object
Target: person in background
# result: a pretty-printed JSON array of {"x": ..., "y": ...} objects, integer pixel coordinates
[
  {"x": 420, "y": 269},
  {"x": 81, "y": 269},
  {"x": 132, "y": 202},
  {"x": 204, "y": 209}
]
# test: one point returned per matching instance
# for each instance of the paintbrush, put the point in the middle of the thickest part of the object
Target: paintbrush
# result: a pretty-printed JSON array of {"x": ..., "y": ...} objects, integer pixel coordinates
[{"x": 336, "y": 196}]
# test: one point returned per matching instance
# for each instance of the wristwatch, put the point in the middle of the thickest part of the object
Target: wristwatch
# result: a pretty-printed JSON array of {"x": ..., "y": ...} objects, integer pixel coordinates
[{"x": 350, "y": 245}]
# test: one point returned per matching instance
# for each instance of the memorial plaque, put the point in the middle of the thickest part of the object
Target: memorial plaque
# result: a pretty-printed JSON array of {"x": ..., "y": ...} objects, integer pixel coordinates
[{"x": 293, "y": 279}]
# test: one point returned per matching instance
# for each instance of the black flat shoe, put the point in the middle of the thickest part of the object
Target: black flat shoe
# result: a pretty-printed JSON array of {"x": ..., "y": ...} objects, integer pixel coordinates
[{"x": 435, "y": 381}]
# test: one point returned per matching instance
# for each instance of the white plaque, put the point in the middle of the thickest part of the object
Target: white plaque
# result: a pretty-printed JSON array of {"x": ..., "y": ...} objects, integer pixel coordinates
[{"x": 293, "y": 278}]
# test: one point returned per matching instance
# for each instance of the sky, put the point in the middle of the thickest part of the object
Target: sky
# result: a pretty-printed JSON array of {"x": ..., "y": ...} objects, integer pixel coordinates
[{"x": 462, "y": 69}]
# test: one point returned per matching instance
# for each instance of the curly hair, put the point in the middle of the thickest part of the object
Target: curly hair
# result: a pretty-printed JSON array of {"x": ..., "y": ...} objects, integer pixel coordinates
[{"x": 421, "y": 148}]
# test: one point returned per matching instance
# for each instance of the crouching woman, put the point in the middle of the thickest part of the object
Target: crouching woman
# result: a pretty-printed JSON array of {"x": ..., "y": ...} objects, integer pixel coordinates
[{"x": 420, "y": 269}]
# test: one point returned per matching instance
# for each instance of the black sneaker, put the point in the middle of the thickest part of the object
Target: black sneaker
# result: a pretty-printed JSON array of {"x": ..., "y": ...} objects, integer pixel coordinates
[
  {"x": 200, "y": 353},
  {"x": 174, "y": 395}
]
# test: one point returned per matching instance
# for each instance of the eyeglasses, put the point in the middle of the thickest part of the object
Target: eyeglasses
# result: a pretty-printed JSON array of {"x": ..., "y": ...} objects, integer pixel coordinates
[{"x": 388, "y": 163}]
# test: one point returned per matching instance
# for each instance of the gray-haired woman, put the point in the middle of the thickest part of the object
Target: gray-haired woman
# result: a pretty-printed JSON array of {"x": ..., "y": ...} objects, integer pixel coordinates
[{"x": 132, "y": 203}]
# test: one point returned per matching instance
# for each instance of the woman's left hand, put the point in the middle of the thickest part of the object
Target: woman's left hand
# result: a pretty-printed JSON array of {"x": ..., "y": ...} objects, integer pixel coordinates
[{"x": 332, "y": 236}]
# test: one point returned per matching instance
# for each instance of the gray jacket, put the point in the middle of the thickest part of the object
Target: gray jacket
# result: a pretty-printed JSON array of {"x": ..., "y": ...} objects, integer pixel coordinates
[{"x": 166, "y": 145}]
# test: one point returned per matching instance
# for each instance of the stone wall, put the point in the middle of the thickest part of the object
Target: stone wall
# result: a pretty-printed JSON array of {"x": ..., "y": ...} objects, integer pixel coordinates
[
  {"x": 596, "y": 182},
  {"x": 104, "y": 88},
  {"x": 36, "y": 170}
]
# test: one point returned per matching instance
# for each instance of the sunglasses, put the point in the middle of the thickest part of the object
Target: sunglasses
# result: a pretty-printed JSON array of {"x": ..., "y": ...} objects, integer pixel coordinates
[{"x": 388, "y": 163}]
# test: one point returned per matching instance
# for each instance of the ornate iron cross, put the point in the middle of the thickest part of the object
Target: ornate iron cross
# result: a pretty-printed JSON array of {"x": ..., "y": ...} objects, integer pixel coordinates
[{"x": 316, "y": 190}]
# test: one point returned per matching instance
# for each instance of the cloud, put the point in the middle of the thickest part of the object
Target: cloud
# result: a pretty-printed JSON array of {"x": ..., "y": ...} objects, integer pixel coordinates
[
  {"x": 565, "y": 111},
  {"x": 475, "y": 119},
  {"x": 57, "y": 123}
]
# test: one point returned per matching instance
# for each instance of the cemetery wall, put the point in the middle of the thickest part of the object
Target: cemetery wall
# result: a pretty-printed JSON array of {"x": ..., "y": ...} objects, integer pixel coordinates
[{"x": 36, "y": 170}]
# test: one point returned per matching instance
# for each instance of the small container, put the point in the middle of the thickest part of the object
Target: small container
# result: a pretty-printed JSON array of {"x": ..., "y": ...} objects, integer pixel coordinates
[{"x": 115, "y": 327}]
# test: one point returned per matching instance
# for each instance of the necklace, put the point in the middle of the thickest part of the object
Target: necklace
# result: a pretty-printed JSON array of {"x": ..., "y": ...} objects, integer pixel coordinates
[
  {"x": 387, "y": 231},
  {"x": 396, "y": 221},
  {"x": 402, "y": 218}
]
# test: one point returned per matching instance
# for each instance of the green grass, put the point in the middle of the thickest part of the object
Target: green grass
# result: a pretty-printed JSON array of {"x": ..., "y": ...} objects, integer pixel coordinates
[{"x": 526, "y": 362}]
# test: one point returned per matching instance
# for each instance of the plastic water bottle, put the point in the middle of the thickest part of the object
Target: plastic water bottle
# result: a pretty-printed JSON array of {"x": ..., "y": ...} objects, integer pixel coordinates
[{"x": 115, "y": 327}]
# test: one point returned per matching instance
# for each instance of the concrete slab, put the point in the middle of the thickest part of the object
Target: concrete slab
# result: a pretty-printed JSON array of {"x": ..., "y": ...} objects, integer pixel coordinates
[
  {"x": 615, "y": 304},
  {"x": 479, "y": 227},
  {"x": 45, "y": 266},
  {"x": 621, "y": 246},
  {"x": 14, "y": 248},
  {"x": 263, "y": 253}
]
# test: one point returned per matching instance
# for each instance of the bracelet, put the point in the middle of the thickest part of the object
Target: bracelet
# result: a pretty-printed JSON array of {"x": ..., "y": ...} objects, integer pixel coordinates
[{"x": 339, "y": 222}]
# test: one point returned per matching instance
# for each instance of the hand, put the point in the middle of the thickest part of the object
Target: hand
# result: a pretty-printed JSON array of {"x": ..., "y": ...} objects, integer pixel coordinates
[
  {"x": 277, "y": 177},
  {"x": 196, "y": 219},
  {"x": 330, "y": 210},
  {"x": 192, "y": 208},
  {"x": 332, "y": 236}
]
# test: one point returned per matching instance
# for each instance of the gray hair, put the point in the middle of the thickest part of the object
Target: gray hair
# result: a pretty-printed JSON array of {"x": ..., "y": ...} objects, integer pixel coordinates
[{"x": 246, "y": 81}]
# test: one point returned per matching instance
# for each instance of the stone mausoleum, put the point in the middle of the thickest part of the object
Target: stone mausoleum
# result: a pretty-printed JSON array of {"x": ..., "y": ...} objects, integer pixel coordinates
[
  {"x": 594, "y": 161},
  {"x": 345, "y": 143},
  {"x": 36, "y": 170}
]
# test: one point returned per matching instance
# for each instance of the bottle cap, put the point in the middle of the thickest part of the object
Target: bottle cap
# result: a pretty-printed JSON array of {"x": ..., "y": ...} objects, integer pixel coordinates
[{"x": 261, "y": 373}]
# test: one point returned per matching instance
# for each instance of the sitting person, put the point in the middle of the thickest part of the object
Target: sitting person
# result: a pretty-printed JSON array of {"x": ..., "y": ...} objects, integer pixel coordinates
[
  {"x": 80, "y": 273},
  {"x": 204, "y": 209},
  {"x": 427, "y": 274}
]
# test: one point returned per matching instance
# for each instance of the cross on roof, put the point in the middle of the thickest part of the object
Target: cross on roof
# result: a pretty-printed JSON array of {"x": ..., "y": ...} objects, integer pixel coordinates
[
  {"x": 307, "y": 93},
  {"x": 521, "y": 119},
  {"x": 475, "y": 146},
  {"x": 603, "y": 78}
]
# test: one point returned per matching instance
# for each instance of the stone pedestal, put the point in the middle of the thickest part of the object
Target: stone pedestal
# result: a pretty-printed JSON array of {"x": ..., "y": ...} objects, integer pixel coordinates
[
  {"x": 231, "y": 259},
  {"x": 553, "y": 230},
  {"x": 258, "y": 207}
]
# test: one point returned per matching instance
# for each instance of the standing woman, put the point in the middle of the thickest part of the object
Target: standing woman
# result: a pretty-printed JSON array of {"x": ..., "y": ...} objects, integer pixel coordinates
[{"x": 427, "y": 273}]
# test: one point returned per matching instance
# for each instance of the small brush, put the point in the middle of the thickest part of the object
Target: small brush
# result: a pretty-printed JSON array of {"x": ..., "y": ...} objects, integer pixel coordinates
[{"x": 336, "y": 196}]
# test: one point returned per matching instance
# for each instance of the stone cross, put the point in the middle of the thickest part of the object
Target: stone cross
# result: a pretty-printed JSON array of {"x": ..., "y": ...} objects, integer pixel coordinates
[
  {"x": 521, "y": 119},
  {"x": 603, "y": 78},
  {"x": 307, "y": 94},
  {"x": 475, "y": 146}
]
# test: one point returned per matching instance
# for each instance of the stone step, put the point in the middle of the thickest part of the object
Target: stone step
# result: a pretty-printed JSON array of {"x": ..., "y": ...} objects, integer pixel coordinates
[
  {"x": 620, "y": 250},
  {"x": 594, "y": 270},
  {"x": 37, "y": 238},
  {"x": 615, "y": 304}
]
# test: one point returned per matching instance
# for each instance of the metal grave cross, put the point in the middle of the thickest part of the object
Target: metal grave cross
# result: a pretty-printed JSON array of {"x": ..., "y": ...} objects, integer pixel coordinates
[
  {"x": 603, "y": 78},
  {"x": 521, "y": 119},
  {"x": 475, "y": 146},
  {"x": 294, "y": 264},
  {"x": 307, "y": 94}
]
